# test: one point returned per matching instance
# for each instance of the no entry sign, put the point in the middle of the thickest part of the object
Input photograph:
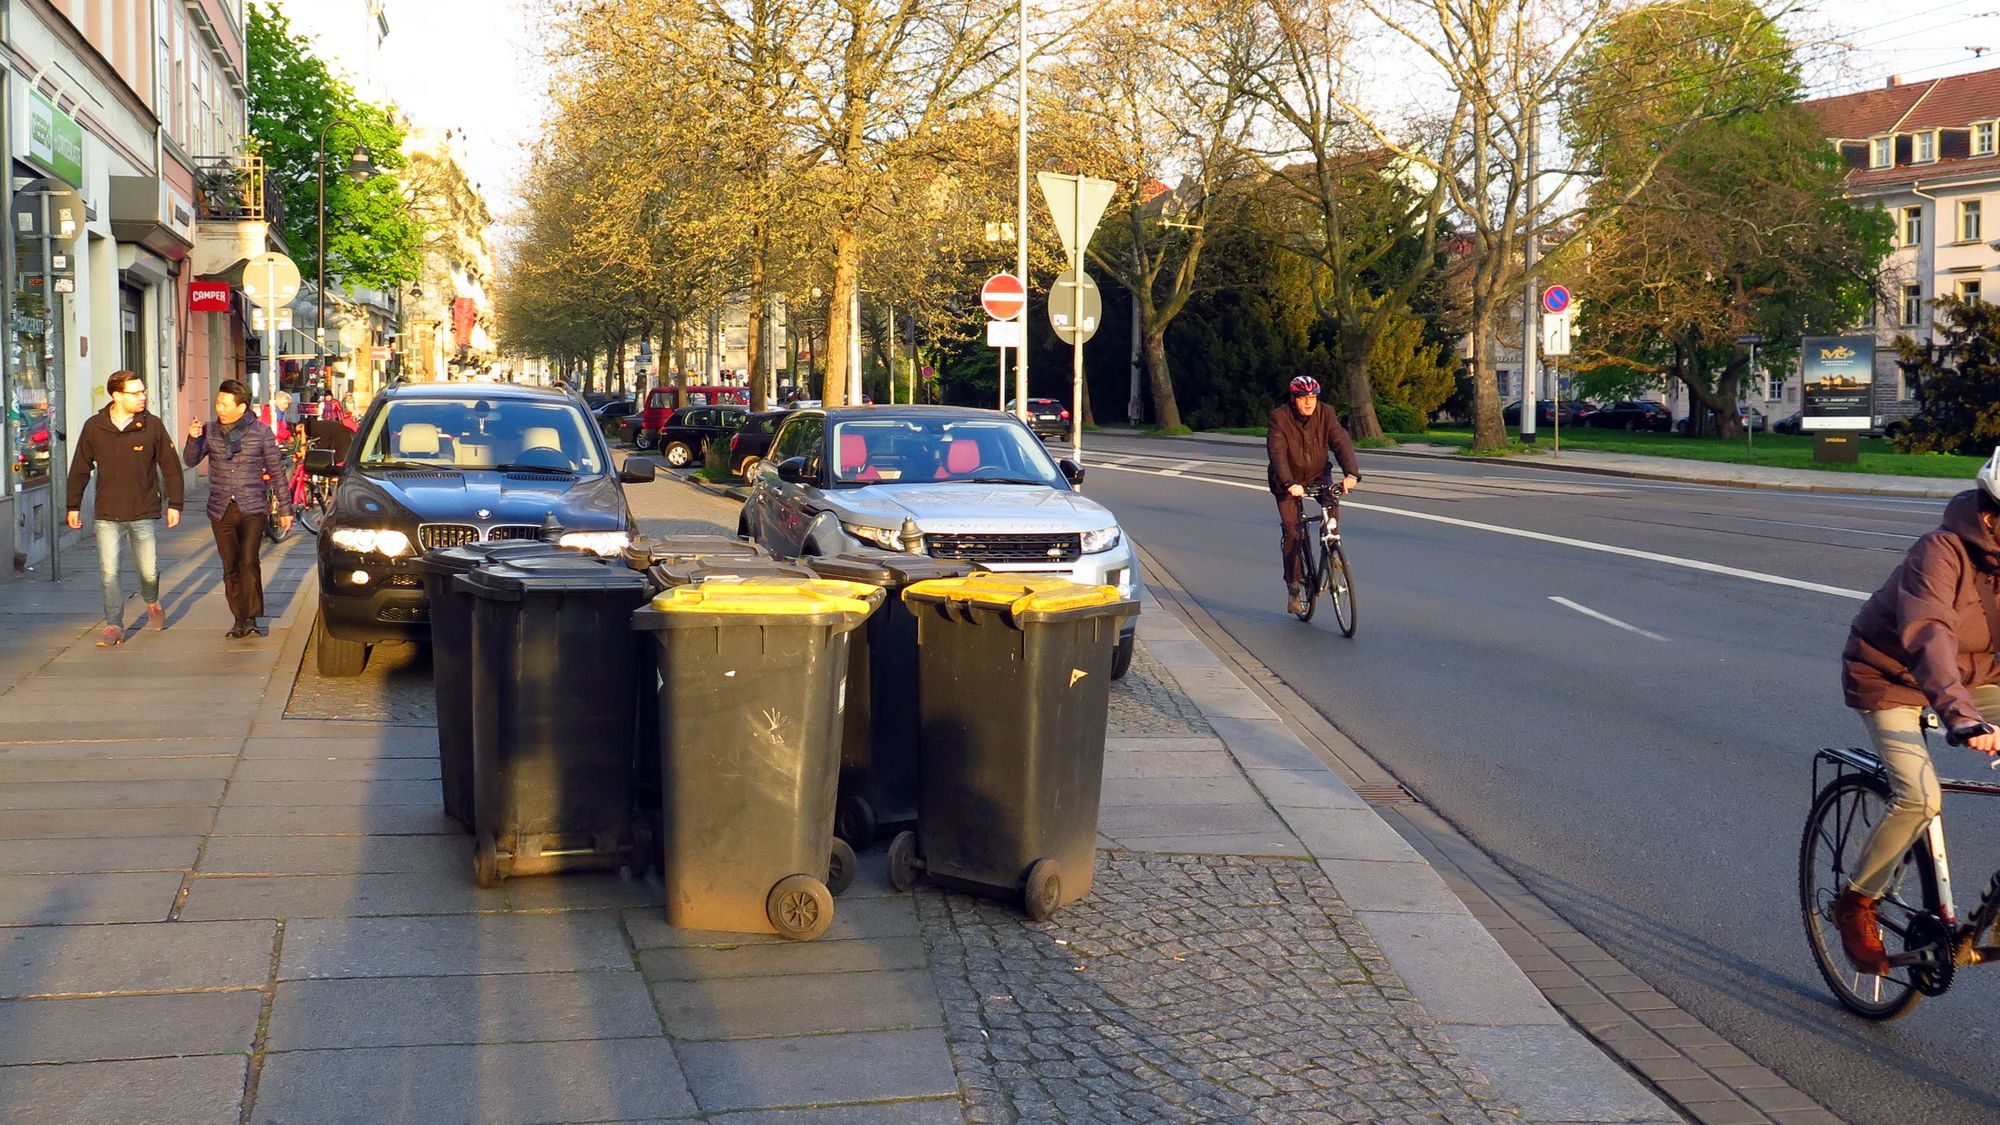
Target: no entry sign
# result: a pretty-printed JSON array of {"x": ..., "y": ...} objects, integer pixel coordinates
[{"x": 1003, "y": 296}]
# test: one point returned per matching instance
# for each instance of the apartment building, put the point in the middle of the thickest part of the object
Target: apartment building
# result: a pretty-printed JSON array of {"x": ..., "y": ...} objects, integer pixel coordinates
[
  {"x": 1928, "y": 153},
  {"x": 109, "y": 108}
]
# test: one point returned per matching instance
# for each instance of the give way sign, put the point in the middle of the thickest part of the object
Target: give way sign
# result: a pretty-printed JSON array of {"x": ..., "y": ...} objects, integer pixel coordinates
[{"x": 1003, "y": 296}]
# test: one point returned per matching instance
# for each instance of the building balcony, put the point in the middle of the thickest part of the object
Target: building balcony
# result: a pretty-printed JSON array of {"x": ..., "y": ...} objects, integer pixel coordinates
[{"x": 234, "y": 189}]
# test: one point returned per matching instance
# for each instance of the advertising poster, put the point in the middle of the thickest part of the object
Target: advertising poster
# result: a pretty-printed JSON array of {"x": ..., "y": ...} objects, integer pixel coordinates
[{"x": 1838, "y": 373}]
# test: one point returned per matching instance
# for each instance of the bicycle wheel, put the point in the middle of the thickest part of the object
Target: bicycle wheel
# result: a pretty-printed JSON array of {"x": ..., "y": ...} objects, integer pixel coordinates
[
  {"x": 272, "y": 530},
  {"x": 1837, "y": 828},
  {"x": 312, "y": 513},
  {"x": 1338, "y": 583},
  {"x": 1309, "y": 575}
]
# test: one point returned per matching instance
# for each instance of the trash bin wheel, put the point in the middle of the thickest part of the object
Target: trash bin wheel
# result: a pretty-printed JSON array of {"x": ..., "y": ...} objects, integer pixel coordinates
[
  {"x": 903, "y": 861},
  {"x": 854, "y": 822},
  {"x": 485, "y": 861},
  {"x": 799, "y": 907},
  {"x": 1044, "y": 890},
  {"x": 841, "y": 868}
]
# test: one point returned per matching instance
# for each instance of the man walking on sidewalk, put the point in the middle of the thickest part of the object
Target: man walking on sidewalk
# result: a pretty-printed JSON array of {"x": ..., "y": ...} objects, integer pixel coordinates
[
  {"x": 132, "y": 454},
  {"x": 244, "y": 468}
]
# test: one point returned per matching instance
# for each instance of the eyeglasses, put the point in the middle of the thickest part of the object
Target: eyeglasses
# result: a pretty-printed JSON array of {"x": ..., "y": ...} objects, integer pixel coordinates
[{"x": 140, "y": 393}]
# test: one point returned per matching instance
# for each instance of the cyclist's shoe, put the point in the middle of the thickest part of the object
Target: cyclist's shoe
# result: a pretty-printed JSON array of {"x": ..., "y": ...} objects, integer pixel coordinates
[
  {"x": 1295, "y": 602},
  {"x": 1860, "y": 936}
]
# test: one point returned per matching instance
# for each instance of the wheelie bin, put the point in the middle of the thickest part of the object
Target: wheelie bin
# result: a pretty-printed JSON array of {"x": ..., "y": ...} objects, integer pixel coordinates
[
  {"x": 450, "y": 610},
  {"x": 1014, "y": 679},
  {"x": 879, "y": 731},
  {"x": 554, "y": 701},
  {"x": 750, "y": 682}
]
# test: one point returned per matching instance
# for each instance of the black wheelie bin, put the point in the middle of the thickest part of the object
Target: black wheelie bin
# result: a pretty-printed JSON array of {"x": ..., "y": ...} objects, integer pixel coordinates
[
  {"x": 555, "y": 701},
  {"x": 646, "y": 550},
  {"x": 450, "y": 609},
  {"x": 880, "y": 730},
  {"x": 750, "y": 682},
  {"x": 1014, "y": 682}
]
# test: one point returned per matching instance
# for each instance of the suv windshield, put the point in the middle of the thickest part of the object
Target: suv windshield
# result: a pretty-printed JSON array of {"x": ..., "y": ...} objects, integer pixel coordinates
[
  {"x": 873, "y": 450},
  {"x": 481, "y": 433}
]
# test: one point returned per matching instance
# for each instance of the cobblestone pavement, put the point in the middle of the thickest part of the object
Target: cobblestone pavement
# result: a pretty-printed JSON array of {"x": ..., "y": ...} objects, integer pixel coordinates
[
  {"x": 1189, "y": 988},
  {"x": 1147, "y": 703},
  {"x": 394, "y": 688}
]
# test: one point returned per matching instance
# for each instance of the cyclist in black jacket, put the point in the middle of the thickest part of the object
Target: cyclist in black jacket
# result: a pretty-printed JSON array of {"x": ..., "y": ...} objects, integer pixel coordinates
[{"x": 1296, "y": 442}]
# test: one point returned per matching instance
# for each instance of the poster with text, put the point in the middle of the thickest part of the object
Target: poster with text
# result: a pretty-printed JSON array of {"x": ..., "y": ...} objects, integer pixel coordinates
[{"x": 1838, "y": 373}]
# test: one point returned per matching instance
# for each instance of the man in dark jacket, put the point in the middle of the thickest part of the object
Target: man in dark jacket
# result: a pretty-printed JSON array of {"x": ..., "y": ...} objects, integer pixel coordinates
[
  {"x": 1926, "y": 638},
  {"x": 245, "y": 471},
  {"x": 1296, "y": 441},
  {"x": 132, "y": 454}
]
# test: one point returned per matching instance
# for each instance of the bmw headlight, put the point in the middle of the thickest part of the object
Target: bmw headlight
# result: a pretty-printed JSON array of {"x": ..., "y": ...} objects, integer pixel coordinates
[
  {"x": 1102, "y": 539},
  {"x": 604, "y": 543},
  {"x": 887, "y": 538},
  {"x": 382, "y": 540}
]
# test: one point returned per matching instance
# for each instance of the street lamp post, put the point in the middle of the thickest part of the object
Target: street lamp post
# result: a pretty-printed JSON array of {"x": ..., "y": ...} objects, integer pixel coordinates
[{"x": 359, "y": 169}]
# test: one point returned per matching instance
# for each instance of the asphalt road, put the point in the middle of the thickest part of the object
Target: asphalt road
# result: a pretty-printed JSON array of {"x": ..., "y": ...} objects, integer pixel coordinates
[{"x": 1648, "y": 776}]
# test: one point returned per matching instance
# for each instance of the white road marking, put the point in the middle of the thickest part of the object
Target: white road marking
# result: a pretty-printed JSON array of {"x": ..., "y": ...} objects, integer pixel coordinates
[
  {"x": 1606, "y": 618},
  {"x": 1562, "y": 540}
]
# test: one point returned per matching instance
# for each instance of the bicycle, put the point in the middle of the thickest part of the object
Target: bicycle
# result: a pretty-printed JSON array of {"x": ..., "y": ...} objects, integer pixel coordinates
[
  {"x": 1917, "y": 912},
  {"x": 1326, "y": 571},
  {"x": 309, "y": 496}
]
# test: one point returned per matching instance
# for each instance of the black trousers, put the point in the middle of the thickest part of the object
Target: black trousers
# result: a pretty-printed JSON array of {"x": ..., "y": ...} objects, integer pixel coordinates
[
  {"x": 239, "y": 539},
  {"x": 1292, "y": 537}
]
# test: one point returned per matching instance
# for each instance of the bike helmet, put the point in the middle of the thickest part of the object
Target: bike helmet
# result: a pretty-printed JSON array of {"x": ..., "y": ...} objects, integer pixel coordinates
[
  {"x": 1989, "y": 478},
  {"x": 1307, "y": 385}
]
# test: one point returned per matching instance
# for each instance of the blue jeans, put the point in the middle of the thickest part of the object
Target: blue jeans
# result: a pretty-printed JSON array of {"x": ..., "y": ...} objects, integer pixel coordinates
[{"x": 145, "y": 552}]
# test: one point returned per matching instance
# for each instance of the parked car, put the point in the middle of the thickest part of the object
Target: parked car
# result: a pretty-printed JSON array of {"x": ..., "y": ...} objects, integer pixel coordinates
[
  {"x": 1631, "y": 416},
  {"x": 444, "y": 464},
  {"x": 661, "y": 402},
  {"x": 1793, "y": 423},
  {"x": 1048, "y": 417},
  {"x": 685, "y": 438},
  {"x": 1572, "y": 411},
  {"x": 748, "y": 445},
  {"x": 1749, "y": 419},
  {"x": 613, "y": 415},
  {"x": 974, "y": 484}
]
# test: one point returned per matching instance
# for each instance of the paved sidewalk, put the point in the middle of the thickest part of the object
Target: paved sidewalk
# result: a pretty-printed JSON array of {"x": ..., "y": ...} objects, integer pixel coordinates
[
  {"x": 1683, "y": 470},
  {"x": 212, "y": 912}
]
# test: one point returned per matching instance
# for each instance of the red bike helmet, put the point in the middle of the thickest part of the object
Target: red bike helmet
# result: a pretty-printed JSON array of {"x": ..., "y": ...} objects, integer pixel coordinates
[{"x": 1304, "y": 385}]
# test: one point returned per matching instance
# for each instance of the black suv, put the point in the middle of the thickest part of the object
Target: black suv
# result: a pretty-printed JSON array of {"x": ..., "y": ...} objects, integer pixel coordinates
[{"x": 443, "y": 464}]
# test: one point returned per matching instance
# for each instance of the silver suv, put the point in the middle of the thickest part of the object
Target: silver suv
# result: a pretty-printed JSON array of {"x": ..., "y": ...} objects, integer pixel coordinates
[{"x": 950, "y": 482}]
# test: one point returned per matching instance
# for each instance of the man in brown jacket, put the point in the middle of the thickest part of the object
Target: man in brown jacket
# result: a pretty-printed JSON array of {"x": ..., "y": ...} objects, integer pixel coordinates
[
  {"x": 1926, "y": 638},
  {"x": 132, "y": 455},
  {"x": 1296, "y": 441}
]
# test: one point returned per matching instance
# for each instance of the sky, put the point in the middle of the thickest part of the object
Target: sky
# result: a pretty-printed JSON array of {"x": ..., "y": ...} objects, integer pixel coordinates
[
  {"x": 474, "y": 65},
  {"x": 469, "y": 65}
]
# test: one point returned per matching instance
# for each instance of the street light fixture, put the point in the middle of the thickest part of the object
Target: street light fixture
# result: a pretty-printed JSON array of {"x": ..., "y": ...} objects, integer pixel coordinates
[{"x": 360, "y": 168}]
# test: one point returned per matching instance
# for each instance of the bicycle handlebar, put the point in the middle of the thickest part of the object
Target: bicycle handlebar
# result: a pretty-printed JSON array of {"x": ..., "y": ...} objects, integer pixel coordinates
[{"x": 1965, "y": 734}]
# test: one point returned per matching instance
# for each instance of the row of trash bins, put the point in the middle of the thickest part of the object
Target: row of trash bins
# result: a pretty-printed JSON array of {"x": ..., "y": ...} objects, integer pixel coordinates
[{"x": 740, "y": 723}]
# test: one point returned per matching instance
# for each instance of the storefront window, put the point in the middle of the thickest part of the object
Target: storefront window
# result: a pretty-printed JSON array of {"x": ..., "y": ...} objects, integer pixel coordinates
[{"x": 28, "y": 371}]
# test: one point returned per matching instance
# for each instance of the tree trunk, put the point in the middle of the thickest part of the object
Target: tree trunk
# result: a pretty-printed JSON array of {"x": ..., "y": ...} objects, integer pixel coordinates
[
  {"x": 846, "y": 275},
  {"x": 760, "y": 375},
  {"x": 1488, "y": 432},
  {"x": 1166, "y": 411},
  {"x": 1362, "y": 424}
]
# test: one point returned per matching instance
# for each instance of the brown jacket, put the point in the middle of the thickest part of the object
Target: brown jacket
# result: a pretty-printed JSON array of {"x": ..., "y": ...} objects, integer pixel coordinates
[
  {"x": 1927, "y": 636},
  {"x": 1297, "y": 445}
]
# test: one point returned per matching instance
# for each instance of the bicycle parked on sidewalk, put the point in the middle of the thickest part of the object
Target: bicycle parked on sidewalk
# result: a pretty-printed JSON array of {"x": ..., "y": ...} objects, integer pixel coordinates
[
  {"x": 1324, "y": 564},
  {"x": 1917, "y": 912},
  {"x": 309, "y": 496}
]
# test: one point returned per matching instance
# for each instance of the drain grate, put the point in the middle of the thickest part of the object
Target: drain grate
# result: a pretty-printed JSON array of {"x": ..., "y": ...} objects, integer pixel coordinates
[{"x": 1388, "y": 794}]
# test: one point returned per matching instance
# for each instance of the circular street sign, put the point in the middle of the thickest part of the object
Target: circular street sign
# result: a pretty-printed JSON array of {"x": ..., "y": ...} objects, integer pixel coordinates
[
  {"x": 1003, "y": 296},
  {"x": 270, "y": 281},
  {"x": 1075, "y": 311},
  {"x": 1555, "y": 298}
]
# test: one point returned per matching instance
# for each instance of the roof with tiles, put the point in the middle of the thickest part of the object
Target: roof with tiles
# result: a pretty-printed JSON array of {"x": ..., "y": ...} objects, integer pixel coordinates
[
  {"x": 1868, "y": 113},
  {"x": 1951, "y": 104}
]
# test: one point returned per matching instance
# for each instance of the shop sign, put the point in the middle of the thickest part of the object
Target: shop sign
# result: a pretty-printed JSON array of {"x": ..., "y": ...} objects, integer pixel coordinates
[
  {"x": 55, "y": 140},
  {"x": 208, "y": 296}
]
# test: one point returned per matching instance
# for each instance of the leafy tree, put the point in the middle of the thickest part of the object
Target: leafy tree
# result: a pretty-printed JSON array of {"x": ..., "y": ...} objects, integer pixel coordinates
[
  {"x": 1410, "y": 373},
  {"x": 1957, "y": 382},
  {"x": 1741, "y": 226},
  {"x": 371, "y": 236}
]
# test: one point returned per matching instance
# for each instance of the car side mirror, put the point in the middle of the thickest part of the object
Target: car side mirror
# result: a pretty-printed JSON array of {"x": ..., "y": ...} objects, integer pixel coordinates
[
  {"x": 1071, "y": 471},
  {"x": 637, "y": 470},
  {"x": 792, "y": 470},
  {"x": 320, "y": 463}
]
